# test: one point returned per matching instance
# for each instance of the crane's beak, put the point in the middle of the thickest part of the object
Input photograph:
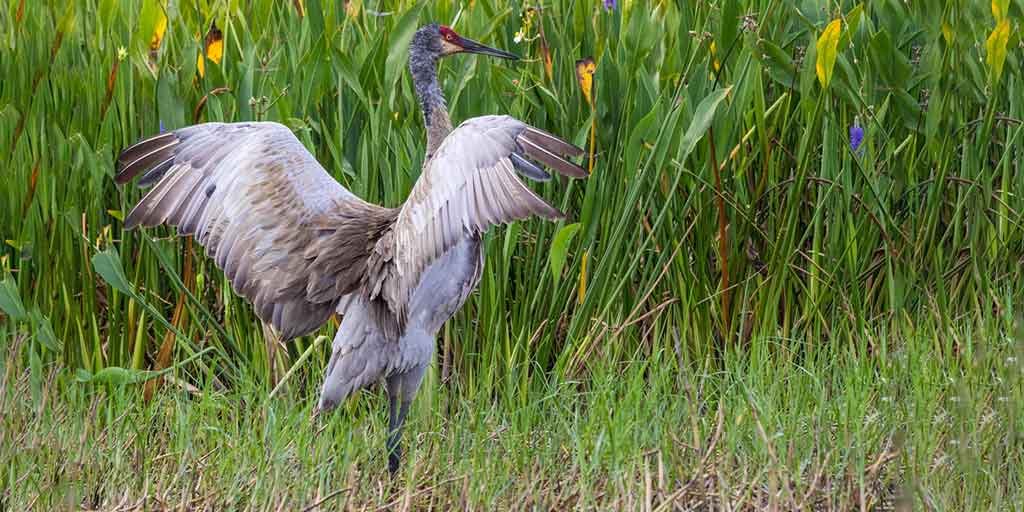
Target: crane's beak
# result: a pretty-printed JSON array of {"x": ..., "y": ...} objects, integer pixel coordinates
[{"x": 471, "y": 46}]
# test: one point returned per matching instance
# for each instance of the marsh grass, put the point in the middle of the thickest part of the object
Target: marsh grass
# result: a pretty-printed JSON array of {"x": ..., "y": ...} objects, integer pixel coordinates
[{"x": 810, "y": 325}]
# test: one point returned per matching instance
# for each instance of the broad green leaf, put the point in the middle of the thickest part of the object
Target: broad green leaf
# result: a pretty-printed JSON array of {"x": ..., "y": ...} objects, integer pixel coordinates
[
  {"x": 119, "y": 376},
  {"x": 108, "y": 265},
  {"x": 115, "y": 375},
  {"x": 644, "y": 129},
  {"x": 852, "y": 22},
  {"x": 995, "y": 49},
  {"x": 702, "y": 118},
  {"x": 828, "y": 45},
  {"x": 559, "y": 247},
  {"x": 10, "y": 301},
  {"x": 891, "y": 64},
  {"x": 44, "y": 331},
  {"x": 730, "y": 22},
  {"x": 780, "y": 65}
]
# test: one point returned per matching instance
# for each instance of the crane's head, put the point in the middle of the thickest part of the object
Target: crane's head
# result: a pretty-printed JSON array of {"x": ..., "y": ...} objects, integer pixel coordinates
[{"x": 435, "y": 41}]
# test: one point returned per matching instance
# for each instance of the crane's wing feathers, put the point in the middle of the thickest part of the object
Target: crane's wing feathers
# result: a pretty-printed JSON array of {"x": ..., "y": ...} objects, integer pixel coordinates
[
  {"x": 469, "y": 185},
  {"x": 289, "y": 237}
]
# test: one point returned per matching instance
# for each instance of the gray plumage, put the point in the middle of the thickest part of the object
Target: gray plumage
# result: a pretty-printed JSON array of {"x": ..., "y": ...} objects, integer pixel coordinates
[{"x": 300, "y": 246}]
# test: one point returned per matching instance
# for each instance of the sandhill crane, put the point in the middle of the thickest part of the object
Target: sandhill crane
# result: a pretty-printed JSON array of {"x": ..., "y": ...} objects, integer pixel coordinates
[{"x": 299, "y": 246}]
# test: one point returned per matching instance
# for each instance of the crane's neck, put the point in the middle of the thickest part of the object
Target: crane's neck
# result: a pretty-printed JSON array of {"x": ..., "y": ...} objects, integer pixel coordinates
[{"x": 435, "y": 111}]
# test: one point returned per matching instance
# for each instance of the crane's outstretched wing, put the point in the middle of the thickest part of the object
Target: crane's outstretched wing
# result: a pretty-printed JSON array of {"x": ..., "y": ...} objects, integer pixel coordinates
[
  {"x": 468, "y": 185},
  {"x": 290, "y": 238}
]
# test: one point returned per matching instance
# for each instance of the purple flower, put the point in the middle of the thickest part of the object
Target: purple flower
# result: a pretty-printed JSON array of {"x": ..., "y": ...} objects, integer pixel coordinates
[
  {"x": 162, "y": 126},
  {"x": 856, "y": 135},
  {"x": 611, "y": 5}
]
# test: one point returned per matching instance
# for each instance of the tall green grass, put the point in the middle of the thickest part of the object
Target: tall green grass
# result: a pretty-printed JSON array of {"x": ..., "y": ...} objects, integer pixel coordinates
[{"x": 802, "y": 272}]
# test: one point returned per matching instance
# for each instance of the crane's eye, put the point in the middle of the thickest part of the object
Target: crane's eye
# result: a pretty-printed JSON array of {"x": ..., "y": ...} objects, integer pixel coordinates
[{"x": 449, "y": 36}]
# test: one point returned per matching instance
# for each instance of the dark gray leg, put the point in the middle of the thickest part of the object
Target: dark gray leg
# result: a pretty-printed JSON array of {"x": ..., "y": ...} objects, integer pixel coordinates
[
  {"x": 402, "y": 389},
  {"x": 396, "y": 419}
]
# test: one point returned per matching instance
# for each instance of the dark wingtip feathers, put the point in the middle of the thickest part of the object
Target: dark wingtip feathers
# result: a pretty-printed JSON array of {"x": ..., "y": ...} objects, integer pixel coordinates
[
  {"x": 551, "y": 151},
  {"x": 155, "y": 151},
  {"x": 551, "y": 159},
  {"x": 551, "y": 143},
  {"x": 528, "y": 168}
]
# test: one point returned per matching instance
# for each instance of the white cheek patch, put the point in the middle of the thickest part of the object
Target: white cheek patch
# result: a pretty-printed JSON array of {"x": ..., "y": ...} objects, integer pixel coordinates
[{"x": 449, "y": 48}]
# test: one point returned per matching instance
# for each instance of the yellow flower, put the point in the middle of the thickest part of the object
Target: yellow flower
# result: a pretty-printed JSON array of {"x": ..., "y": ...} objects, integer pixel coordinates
[
  {"x": 585, "y": 75},
  {"x": 585, "y": 69},
  {"x": 158, "y": 31},
  {"x": 214, "y": 49}
]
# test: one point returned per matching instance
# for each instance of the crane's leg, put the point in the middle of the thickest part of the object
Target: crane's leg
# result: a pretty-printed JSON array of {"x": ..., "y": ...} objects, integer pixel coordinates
[
  {"x": 402, "y": 389},
  {"x": 271, "y": 339}
]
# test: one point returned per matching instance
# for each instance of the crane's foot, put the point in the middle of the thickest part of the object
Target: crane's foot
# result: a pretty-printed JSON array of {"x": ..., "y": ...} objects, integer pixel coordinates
[{"x": 394, "y": 459}]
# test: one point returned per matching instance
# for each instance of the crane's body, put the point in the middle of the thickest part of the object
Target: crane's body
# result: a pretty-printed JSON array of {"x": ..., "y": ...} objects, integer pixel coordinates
[{"x": 300, "y": 246}]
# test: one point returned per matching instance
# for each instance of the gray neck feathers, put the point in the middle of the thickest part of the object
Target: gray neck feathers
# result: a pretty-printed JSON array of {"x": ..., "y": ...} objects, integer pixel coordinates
[{"x": 423, "y": 67}]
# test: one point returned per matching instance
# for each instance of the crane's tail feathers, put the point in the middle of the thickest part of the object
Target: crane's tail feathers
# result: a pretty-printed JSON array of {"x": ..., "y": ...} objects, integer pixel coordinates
[
  {"x": 550, "y": 151},
  {"x": 156, "y": 153},
  {"x": 359, "y": 356}
]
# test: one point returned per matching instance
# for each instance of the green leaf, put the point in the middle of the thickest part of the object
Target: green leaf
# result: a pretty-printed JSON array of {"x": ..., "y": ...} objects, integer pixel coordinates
[
  {"x": 852, "y": 23},
  {"x": 888, "y": 61},
  {"x": 115, "y": 375},
  {"x": 780, "y": 65},
  {"x": 245, "y": 87},
  {"x": 67, "y": 22},
  {"x": 120, "y": 376},
  {"x": 83, "y": 375},
  {"x": 702, "y": 118},
  {"x": 44, "y": 331},
  {"x": 170, "y": 106},
  {"x": 642, "y": 130},
  {"x": 10, "y": 301},
  {"x": 828, "y": 45},
  {"x": 108, "y": 265},
  {"x": 398, "y": 48},
  {"x": 315, "y": 14},
  {"x": 559, "y": 248},
  {"x": 729, "y": 23}
]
